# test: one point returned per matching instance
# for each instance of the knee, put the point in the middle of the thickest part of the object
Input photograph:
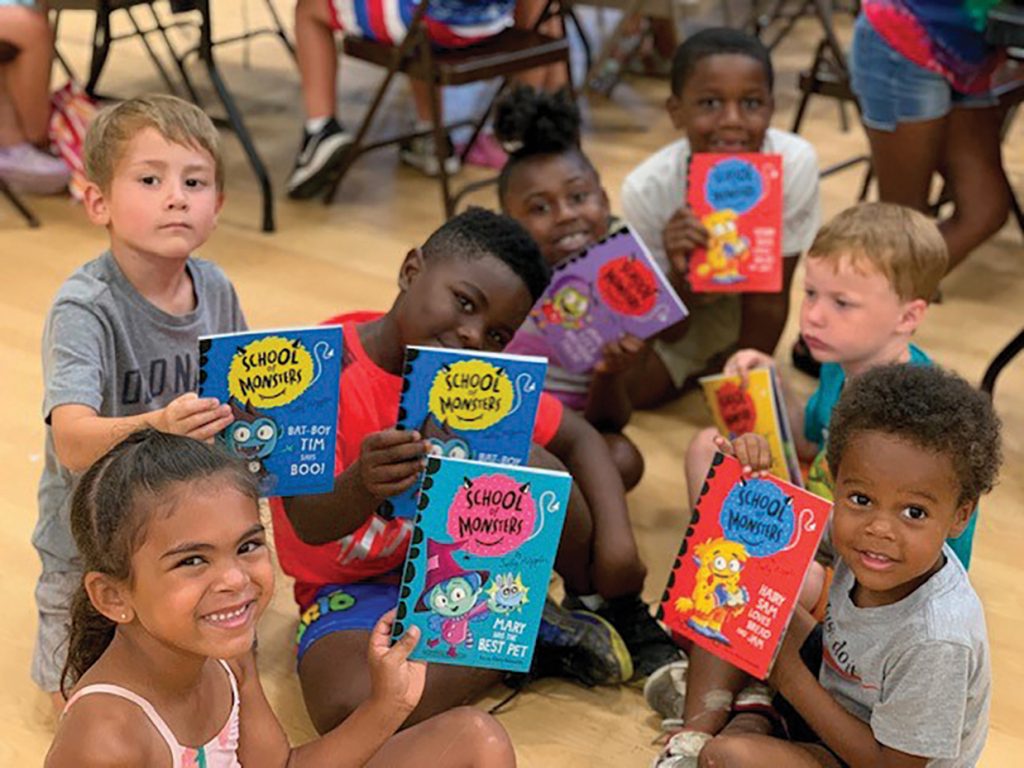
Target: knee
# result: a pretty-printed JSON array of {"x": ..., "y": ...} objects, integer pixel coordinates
[
  {"x": 619, "y": 572},
  {"x": 482, "y": 737},
  {"x": 987, "y": 213},
  {"x": 727, "y": 752},
  {"x": 627, "y": 458},
  {"x": 701, "y": 450}
]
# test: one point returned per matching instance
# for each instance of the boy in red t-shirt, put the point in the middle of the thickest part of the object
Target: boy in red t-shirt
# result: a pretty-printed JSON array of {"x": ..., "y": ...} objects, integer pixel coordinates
[{"x": 469, "y": 286}]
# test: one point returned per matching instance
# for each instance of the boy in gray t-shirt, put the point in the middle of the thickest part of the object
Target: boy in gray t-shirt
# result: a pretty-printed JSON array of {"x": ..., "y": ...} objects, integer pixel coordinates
[
  {"x": 121, "y": 339},
  {"x": 902, "y": 677}
]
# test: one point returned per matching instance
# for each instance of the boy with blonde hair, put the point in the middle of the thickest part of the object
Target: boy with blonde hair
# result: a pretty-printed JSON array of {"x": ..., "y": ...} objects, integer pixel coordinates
[
  {"x": 870, "y": 274},
  {"x": 121, "y": 338}
]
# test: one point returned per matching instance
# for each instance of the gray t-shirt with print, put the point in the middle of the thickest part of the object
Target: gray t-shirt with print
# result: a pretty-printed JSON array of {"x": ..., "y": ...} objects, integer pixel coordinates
[
  {"x": 108, "y": 348},
  {"x": 916, "y": 671}
]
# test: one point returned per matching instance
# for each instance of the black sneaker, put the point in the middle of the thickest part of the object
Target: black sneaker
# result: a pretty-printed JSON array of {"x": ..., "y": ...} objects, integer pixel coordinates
[
  {"x": 580, "y": 646},
  {"x": 803, "y": 360},
  {"x": 419, "y": 153},
  {"x": 649, "y": 645},
  {"x": 318, "y": 160}
]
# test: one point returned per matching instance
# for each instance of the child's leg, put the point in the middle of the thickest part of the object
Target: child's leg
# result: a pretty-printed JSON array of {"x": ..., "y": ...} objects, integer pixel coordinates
[
  {"x": 28, "y": 76},
  {"x": 763, "y": 315},
  {"x": 627, "y": 457},
  {"x": 754, "y": 750},
  {"x": 973, "y": 168},
  {"x": 317, "y": 55},
  {"x": 711, "y": 686},
  {"x": 460, "y": 738},
  {"x": 550, "y": 78},
  {"x": 54, "y": 593},
  {"x": 335, "y": 677}
]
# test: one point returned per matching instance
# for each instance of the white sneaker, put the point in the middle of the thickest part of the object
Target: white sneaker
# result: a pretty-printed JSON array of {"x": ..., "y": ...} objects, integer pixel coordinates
[
  {"x": 665, "y": 689},
  {"x": 419, "y": 153},
  {"x": 682, "y": 750}
]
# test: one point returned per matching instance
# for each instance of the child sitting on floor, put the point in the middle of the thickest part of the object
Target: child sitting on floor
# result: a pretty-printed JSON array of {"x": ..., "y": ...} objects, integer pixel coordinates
[
  {"x": 551, "y": 188},
  {"x": 177, "y": 575},
  {"x": 722, "y": 102},
  {"x": 898, "y": 674},
  {"x": 469, "y": 286}
]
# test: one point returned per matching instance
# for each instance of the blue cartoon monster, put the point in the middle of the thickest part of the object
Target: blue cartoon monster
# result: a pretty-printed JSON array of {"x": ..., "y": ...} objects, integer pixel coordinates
[
  {"x": 453, "y": 595},
  {"x": 252, "y": 437},
  {"x": 507, "y": 593}
]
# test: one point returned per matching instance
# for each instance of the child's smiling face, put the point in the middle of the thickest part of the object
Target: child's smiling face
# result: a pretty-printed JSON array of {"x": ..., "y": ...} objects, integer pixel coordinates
[
  {"x": 725, "y": 105},
  {"x": 895, "y": 505},
  {"x": 202, "y": 576},
  {"x": 560, "y": 201},
  {"x": 474, "y": 302}
]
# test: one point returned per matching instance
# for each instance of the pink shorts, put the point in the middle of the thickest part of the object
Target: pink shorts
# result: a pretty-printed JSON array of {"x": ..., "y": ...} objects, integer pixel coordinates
[{"x": 388, "y": 20}]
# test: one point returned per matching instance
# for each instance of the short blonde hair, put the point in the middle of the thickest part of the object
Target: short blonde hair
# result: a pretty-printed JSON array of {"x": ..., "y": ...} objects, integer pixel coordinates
[
  {"x": 900, "y": 243},
  {"x": 177, "y": 121}
]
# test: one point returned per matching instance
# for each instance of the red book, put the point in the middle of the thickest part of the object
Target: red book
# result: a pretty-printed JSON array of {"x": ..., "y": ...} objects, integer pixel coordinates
[
  {"x": 738, "y": 199},
  {"x": 738, "y": 575}
]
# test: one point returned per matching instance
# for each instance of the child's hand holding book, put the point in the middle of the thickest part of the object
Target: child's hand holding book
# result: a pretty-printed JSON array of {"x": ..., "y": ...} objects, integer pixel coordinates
[
  {"x": 743, "y": 361},
  {"x": 390, "y": 461},
  {"x": 619, "y": 356},
  {"x": 395, "y": 682},
  {"x": 750, "y": 450}
]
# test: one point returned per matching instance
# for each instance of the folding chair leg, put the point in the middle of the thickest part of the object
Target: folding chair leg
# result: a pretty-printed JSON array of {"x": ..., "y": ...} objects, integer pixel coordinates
[
  {"x": 164, "y": 75},
  {"x": 234, "y": 116},
  {"x": 14, "y": 200},
  {"x": 100, "y": 46},
  {"x": 179, "y": 61},
  {"x": 279, "y": 28}
]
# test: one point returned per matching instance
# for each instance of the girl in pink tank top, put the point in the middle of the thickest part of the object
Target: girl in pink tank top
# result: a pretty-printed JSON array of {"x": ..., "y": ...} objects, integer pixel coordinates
[{"x": 160, "y": 668}]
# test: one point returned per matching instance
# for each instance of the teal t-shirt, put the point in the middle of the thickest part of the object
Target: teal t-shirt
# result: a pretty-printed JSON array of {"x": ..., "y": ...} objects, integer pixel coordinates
[{"x": 817, "y": 416}]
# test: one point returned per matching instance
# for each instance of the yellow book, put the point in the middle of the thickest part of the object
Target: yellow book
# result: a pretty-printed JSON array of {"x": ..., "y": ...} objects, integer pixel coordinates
[{"x": 759, "y": 408}]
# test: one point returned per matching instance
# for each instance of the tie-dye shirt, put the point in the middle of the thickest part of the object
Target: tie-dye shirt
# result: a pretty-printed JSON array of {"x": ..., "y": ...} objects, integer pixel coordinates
[{"x": 945, "y": 36}]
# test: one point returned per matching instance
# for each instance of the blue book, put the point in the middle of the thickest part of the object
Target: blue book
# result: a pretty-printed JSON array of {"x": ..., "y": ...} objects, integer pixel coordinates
[
  {"x": 282, "y": 386},
  {"x": 468, "y": 405},
  {"x": 477, "y": 571}
]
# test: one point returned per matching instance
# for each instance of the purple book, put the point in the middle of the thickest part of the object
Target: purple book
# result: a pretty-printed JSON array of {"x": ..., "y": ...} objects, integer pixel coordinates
[{"x": 610, "y": 289}]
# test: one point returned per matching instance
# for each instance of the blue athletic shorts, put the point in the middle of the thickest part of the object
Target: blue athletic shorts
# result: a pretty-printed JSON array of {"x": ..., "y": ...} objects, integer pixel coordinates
[
  {"x": 344, "y": 607},
  {"x": 891, "y": 89}
]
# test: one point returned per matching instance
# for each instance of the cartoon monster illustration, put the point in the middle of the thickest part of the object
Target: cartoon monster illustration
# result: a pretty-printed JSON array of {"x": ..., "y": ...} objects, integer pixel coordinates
[
  {"x": 717, "y": 590},
  {"x": 567, "y": 304},
  {"x": 453, "y": 595},
  {"x": 252, "y": 436},
  {"x": 443, "y": 440},
  {"x": 507, "y": 593},
  {"x": 726, "y": 248}
]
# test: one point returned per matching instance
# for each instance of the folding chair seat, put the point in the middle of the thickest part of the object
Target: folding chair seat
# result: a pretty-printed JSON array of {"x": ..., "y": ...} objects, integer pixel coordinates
[{"x": 512, "y": 51}]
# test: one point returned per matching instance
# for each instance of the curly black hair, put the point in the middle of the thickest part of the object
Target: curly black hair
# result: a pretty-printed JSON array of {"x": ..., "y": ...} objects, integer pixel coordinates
[
  {"x": 477, "y": 232},
  {"x": 712, "y": 42},
  {"x": 934, "y": 409},
  {"x": 531, "y": 123}
]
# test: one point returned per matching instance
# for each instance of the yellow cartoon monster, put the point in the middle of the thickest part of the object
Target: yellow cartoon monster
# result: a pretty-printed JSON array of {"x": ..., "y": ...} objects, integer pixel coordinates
[
  {"x": 726, "y": 248},
  {"x": 717, "y": 590}
]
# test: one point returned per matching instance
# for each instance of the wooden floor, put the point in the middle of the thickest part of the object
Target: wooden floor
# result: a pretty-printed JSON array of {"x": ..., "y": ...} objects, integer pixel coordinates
[{"x": 327, "y": 259}]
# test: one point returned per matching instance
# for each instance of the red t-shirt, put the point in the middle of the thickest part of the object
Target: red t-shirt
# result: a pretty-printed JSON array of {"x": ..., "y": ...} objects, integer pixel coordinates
[{"x": 369, "y": 403}]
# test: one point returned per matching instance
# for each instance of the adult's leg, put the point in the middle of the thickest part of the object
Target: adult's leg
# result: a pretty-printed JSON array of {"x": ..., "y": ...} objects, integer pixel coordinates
[
  {"x": 905, "y": 159},
  {"x": 460, "y": 738},
  {"x": 317, "y": 55},
  {"x": 28, "y": 76},
  {"x": 973, "y": 167},
  {"x": 335, "y": 678}
]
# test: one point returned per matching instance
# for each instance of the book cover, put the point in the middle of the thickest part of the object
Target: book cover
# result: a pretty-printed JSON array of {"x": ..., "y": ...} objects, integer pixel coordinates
[
  {"x": 477, "y": 571},
  {"x": 612, "y": 288},
  {"x": 468, "y": 405},
  {"x": 758, "y": 408},
  {"x": 738, "y": 198},
  {"x": 735, "y": 583},
  {"x": 282, "y": 386}
]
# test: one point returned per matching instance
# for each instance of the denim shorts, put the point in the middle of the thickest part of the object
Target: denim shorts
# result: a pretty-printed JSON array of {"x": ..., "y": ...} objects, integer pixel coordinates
[{"x": 891, "y": 89}]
